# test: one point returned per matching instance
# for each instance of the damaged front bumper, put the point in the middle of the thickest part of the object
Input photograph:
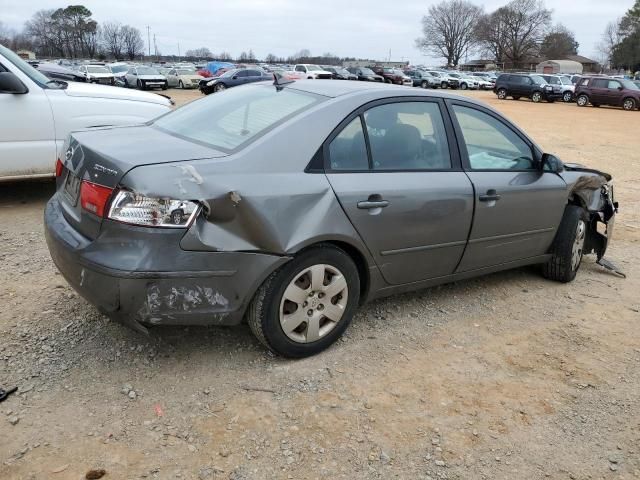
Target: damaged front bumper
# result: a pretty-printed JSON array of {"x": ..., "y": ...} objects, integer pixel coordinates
[
  {"x": 140, "y": 276},
  {"x": 602, "y": 211}
]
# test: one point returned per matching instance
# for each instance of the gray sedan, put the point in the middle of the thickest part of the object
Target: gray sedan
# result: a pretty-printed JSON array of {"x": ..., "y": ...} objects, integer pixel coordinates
[{"x": 302, "y": 201}]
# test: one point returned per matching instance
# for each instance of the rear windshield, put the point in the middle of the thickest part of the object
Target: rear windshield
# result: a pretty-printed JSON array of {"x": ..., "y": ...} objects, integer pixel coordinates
[{"x": 228, "y": 120}]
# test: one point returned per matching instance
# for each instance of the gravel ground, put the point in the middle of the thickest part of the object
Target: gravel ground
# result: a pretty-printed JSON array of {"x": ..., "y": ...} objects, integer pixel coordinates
[{"x": 508, "y": 376}]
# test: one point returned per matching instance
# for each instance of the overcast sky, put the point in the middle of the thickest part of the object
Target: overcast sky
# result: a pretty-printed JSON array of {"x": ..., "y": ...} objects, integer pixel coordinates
[{"x": 359, "y": 28}]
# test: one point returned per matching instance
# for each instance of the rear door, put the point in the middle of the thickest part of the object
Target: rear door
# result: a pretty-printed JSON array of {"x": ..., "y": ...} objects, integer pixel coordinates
[
  {"x": 613, "y": 94},
  {"x": 598, "y": 91},
  {"x": 398, "y": 177},
  {"x": 518, "y": 205}
]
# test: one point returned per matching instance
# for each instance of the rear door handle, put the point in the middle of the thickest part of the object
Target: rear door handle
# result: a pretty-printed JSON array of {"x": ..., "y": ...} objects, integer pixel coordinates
[
  {"x": 368, "y": 205},
  {"x": 490, "y": 196}
]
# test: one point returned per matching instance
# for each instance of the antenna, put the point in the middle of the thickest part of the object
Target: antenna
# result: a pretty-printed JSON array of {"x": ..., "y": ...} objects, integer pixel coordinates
[{"x": 280, "y": 82}]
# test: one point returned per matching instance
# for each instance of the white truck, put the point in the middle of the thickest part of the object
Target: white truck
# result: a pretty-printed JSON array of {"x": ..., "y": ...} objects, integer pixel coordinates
[{"x": 37, "y": 114}]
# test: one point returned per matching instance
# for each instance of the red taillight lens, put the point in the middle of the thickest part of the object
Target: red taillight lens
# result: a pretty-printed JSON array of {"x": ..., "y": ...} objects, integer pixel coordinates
[
  {"x": 59, "y": 167},
  {"x": 94, "y": 198}
]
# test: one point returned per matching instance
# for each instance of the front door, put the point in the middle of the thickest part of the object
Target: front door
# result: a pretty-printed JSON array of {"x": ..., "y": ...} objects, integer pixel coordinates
[
  {"x": 402, "y": 187},
  {"x": 518, "y": 205},
  {"x": 27, "y": 134}
]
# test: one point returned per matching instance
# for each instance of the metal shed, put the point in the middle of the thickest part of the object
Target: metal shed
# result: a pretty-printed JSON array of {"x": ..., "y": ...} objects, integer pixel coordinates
[{"x": 559, "y": 66}]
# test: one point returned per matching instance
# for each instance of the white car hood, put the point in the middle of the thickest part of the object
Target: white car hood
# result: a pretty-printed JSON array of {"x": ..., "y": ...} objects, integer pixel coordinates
[
  {"x": 77, "y": 89},
  {"x": 101, "y": 75}
]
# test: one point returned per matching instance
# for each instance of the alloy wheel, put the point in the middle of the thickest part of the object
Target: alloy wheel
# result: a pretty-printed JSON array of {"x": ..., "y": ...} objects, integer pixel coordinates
[
  {"x": 502, "y": 94},
  {"x": 578, "y": 245},
  {"x": 629, "y": 104},
  {"x": 313, "y": 303},
  {"x": 582, "y": 101},
  {"x": 567, "y": 97},
  {"x": 536, "y": 97}
]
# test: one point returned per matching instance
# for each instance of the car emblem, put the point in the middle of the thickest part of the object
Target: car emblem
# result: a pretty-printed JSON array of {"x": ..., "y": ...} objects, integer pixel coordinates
[{"x": 69, "y": 153}]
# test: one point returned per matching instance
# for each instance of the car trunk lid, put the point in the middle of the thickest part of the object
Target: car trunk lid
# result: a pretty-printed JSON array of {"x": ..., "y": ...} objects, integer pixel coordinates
[{"x": 96, "y": 160}]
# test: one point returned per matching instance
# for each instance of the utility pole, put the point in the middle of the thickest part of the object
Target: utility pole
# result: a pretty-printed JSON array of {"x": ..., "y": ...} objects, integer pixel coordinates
[
  {"x": 155, "y": 46},
  {"x": 149, "y": 40},
  {"x": 178, "y": 50}
]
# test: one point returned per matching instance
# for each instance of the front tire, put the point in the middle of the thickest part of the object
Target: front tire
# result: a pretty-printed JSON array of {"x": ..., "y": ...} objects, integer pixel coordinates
[
  {"x": 140, "y": 85},
  {"x": 219, "y": 87},
  {"x": 536, "y": 97},
  {"x": 444, "y": 85},
  {"x": 463, "y": 86},
  {"x": 502, "y": 94},
  {"x": 306, "y": 305},
  {"x": 180, "y": 84},
  {"x": 629, "y": 104},
  {"x": 567, "y": 97},
  {"x": 568, "y": 246},
  {"x": 424, "y": 84}
]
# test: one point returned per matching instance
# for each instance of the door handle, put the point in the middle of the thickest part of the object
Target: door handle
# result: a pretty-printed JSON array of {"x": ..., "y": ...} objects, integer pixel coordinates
[
  {"x": 370, "y": 204},
  {"x": 490, "y": 196}
]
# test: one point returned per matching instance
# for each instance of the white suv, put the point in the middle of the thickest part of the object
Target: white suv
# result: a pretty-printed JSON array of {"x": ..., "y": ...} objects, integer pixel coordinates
[
  {"x": 37, "y": 114},
  {"x": 313, "y": 72}
]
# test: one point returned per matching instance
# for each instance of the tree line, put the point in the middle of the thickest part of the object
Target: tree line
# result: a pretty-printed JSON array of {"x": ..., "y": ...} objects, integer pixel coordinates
[
  {"x": 510, "y": 36},
  {"x": 620, "y": 45},
  {"x": 71, "y": 32}
]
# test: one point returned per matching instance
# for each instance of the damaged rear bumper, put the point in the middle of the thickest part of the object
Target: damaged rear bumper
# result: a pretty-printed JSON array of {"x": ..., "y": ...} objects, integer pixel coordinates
[{"x": 140, "y": 276}]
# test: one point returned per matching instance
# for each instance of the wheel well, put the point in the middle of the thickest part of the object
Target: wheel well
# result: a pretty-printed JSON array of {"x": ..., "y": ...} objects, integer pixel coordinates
[
  {"x": 358, "y": 258},
  {"x": 629, "y": 98}
]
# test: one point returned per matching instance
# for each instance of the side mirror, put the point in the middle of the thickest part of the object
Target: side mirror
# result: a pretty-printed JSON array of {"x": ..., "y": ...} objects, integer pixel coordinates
[
  {"x": 620, "y": 88},
  {"x": 235, "y": 77},
  {"x": 10, "y": 83},
  {"x": 551, "y": 163}
]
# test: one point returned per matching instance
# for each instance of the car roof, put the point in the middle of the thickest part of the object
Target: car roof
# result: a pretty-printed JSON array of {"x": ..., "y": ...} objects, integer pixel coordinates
[{"x": 333, "y": 89}]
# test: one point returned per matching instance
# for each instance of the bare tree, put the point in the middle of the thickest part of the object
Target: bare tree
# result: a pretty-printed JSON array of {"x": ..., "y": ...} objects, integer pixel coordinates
[
  {"x": 513, "y": 33},
  {"x": 111, "y": 37},
  {"x": 5, "y": 34},
  {"x": 202, "y": 52},
  {"x": 448, "y": 30},
  {"x": 132, "y": 41},
  {"x": 610, "y": 38}
]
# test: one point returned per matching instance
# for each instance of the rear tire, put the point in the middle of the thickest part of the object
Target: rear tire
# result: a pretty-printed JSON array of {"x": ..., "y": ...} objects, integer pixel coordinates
[
  {"x": 568, "y": 246},
  {"x": 582, "y": 101},
  {"x": 272, "y": 308}
]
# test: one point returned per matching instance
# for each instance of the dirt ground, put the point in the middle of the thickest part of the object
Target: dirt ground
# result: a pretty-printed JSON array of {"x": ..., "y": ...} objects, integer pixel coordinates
[{"x": 508, "y": 376}]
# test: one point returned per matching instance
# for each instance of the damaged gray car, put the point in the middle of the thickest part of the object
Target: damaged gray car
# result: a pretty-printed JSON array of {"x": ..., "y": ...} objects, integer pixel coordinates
[{"x": 289, "y": 205}]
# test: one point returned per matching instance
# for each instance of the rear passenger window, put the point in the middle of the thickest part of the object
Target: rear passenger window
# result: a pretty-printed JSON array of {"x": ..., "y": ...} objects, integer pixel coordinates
[
  {"x": 599, "y": 83},
  {"x": 407, "y": 136},
  {"x": 613, "y": 84},
  {"x": 492, "y": 145},
  {"x": 348, "y": 151}
]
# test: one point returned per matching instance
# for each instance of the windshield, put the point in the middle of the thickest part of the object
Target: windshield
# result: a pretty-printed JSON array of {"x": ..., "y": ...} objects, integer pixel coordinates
[
  {"x": 314, "y": 68},
  {"x": 186, "y": 71},
  {"x": 229, "y": 73},
  {"x": 566, "y": 81},
  {"x": 628, "y": 84},
  {"x": 538, "y": 80},
  {"x": 119, "y": 68},
  {"x": 92, "y": 69},
  {"x": 367, "y": 71},
  {"x": 25, "y": 68},
  {"x": 231, "y": 119},
  {"x": 147, "y": 71}
]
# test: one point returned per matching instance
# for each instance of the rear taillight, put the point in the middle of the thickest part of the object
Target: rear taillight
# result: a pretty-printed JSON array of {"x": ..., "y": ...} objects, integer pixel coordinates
[
  {"x": 94, "y": 198},
  {"x": 59, "y": 167}
]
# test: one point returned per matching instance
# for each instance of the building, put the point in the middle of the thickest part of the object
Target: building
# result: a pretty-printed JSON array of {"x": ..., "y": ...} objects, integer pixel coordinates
[
  {"x": 559, "y": 66},
  {"x": 588, "y": 65},
  {"x": 26, "y": 54},
  {"x": 478, "y": 65}
]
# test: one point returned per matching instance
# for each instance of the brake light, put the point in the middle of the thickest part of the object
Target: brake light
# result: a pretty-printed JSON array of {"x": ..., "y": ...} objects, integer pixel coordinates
[
  {"x": 94, "y": 197},
  {"x": 59, "y": 167}
]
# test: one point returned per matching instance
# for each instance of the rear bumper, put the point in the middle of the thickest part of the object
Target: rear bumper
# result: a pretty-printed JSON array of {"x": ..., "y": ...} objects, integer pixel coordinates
[{"x": 146, "y": 278}]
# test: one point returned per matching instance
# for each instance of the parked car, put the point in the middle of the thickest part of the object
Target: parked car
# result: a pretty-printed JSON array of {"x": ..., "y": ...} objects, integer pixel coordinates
[
  {"x": 366, "y": 74},
  {"x": 97, "y": 74},
  {"x": 484, "y": 83},
  {"x": 518, "y": 85},
  {"x": 313, "y": 72},
  {"x": 233, "y": 78},
  {"x": 183, "y": 78},
  {"x": 144, "y": 78},
  {"x": 55, "y": 71},
  {"x": 445, "y": 204},
  {"x": 561, "y": 86},
  {"x": 393, "y": 75},
  {"x": 339, "y": 73},
  {"x": 423, "y": 79},
  {"x": 446, "y": 80},
  {"x": 38, "y": 113},
  {"x": 119, "y": 71},
  {"x": 608, "y": 91},
  {"x": 465, "y": 82}
]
